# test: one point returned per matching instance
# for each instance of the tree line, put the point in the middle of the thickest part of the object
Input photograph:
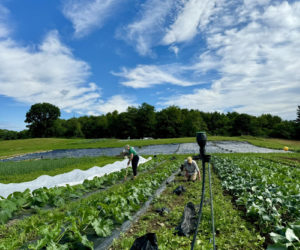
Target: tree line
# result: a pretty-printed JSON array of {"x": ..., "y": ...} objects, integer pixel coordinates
[{"x": 143, "y": 121}]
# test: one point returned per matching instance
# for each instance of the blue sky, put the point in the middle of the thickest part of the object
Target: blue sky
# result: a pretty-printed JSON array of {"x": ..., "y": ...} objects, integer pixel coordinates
[{"x": 90, "y": 57}]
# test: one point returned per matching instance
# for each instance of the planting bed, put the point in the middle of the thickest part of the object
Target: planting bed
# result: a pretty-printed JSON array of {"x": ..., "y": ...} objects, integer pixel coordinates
[
  {"x": 258, "y": 207},
  {"x": 75, "y": 224},
  {"x": 268, "y": 192},
  {"x": 19, "y": 202},
  {"x": 232, "y": 231}
]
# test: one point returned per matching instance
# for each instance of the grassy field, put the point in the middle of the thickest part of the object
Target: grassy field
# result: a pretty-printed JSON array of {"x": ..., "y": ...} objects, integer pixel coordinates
[
  {"x": 17, "y": 147},
  {"x": 15, "y": 172}
]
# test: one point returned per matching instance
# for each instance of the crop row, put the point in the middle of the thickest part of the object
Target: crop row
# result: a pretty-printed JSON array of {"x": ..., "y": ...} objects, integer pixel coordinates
[
  {"x": 232, "y": 231},
  {"x": 74, "y": 225},
  {"x": 268, "y": 191},
  {"x": 19, "y": 202}
]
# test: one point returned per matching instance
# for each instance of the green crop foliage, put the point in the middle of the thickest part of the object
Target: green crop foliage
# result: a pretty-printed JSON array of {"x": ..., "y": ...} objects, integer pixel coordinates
[
  {"x": 17, "y": 202},
  {"x": 268, "y": 191},
  {"x": 96, "y": 215},
  {"x": 232, "y": 231}
]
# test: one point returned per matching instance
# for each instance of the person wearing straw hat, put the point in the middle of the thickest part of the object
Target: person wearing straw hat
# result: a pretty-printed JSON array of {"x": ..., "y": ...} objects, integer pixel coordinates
[
  {"x": 191, "y": 169},
  {"x": 133, "y": 158}
]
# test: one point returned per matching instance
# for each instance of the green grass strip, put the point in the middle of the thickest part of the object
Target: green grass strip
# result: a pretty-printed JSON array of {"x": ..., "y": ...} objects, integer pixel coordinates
[{"x": 23, "y": 171}]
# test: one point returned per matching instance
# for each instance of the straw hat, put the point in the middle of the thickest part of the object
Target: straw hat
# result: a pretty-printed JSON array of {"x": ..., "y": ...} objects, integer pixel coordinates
[{"x": 189, "y": 160}]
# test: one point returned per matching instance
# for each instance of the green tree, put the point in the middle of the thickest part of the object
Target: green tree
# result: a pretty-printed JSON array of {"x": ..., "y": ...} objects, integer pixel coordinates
[
  {"x": 59, "y": 128},
  {"x": 169, "y": 122},
  {"x": 297, "y": 125},
  {"x": 145, "y": 121},
  {"x": 192, "y": 122},
  {"x": 73, "y": 128},
  {"x": 8, "y": 134},
  {"x": 284, "y": 129},
  {"x": 298, "y": 115},
  {"x": 41, "y": 118},
  {"x": 112, "y": 123},
  {"x": 218, "y": 124},
  {"x": 126, "y": 125},
  {"x": 243, "y": 125},
  {"x": 94, "y": 126}
]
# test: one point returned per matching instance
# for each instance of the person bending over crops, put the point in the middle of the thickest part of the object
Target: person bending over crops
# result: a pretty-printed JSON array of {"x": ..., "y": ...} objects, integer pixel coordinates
[
  {"x": 191, "y": 169},
  {"x": 133, "y": 158}
]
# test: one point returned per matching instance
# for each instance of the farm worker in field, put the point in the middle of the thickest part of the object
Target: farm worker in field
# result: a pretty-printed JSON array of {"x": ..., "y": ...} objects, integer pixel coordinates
[
  {"x": 133, "y": 158},
  {"x": 191, "y": 169}
]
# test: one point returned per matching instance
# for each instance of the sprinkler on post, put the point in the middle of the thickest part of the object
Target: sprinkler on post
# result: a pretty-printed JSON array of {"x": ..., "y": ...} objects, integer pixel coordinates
[{"x": 201, "y": 140}]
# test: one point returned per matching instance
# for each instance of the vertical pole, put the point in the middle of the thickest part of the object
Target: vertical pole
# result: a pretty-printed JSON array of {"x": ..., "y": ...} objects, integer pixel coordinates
[
  {"x": 201, "y": 204},
  {"x": 211, "y": 208}
]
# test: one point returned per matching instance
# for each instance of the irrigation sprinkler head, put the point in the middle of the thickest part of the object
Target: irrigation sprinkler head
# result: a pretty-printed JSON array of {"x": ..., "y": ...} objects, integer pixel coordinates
[{"x": 201, "y": 140}]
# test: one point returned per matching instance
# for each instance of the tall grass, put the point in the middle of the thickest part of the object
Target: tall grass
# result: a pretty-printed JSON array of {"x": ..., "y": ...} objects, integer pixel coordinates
[{"x": 14, "y": 172}]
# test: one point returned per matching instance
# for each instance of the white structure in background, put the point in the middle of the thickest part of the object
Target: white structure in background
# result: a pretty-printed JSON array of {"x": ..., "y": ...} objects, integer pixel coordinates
[{"x": 72, "y": 178}]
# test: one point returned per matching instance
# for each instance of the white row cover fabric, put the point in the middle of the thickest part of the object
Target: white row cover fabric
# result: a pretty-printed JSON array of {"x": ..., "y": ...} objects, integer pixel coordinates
[{"x": 74, "y": 177}]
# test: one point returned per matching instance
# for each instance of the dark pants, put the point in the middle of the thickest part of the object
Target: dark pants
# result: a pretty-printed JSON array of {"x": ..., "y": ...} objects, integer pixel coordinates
[{"x": 135, "y": 162}]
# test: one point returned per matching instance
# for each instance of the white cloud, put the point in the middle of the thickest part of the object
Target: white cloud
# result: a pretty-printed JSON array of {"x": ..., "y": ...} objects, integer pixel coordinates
[
  {"x": 193, "y": 17},
  {"x": 258, "y": 64},
  {"x": 145, "y": 76},
  {"x": 4, "y": 29},
  {"x": 174, "y": 49},
  {"x": 116, "y": 102},
  {"x": 147, "y": 30},
  {"x": 87, "y": 15},
  {"x": 168, "y": 22},
  {"x": 51, "y": 74}
]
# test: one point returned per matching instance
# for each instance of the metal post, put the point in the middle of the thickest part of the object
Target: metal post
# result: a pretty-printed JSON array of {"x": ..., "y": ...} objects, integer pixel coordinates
[
  {"x": 201, "y": 203},
  {"x": 211, "y": 207}
]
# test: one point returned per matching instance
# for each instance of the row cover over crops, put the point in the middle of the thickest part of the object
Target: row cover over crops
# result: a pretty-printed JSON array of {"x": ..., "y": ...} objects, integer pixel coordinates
[
  {"x": 18, "y": 202},
  {"x": 268, "y": 191},
  {"x": 75, "y": 225},
  {"x": 76, "y": 176}
]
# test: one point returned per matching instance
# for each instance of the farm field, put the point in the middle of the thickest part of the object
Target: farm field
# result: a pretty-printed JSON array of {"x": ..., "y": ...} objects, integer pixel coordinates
[
  {"x": 94, "y": 215},
  {"x": 17, "y": 147},
  {"x": 257, "y": 208},
  {"x": 232, "y": 230},
  {"x": 256, "y": 204},
  {"x": 23, "y": 171}
]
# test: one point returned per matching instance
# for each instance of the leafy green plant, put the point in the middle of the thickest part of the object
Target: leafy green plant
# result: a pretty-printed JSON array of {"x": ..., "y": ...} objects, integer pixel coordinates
[
  {"x": 97, "y": 214},
  {"x": 58, "y": 196},
  {"x": 269, "y": 191}
]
